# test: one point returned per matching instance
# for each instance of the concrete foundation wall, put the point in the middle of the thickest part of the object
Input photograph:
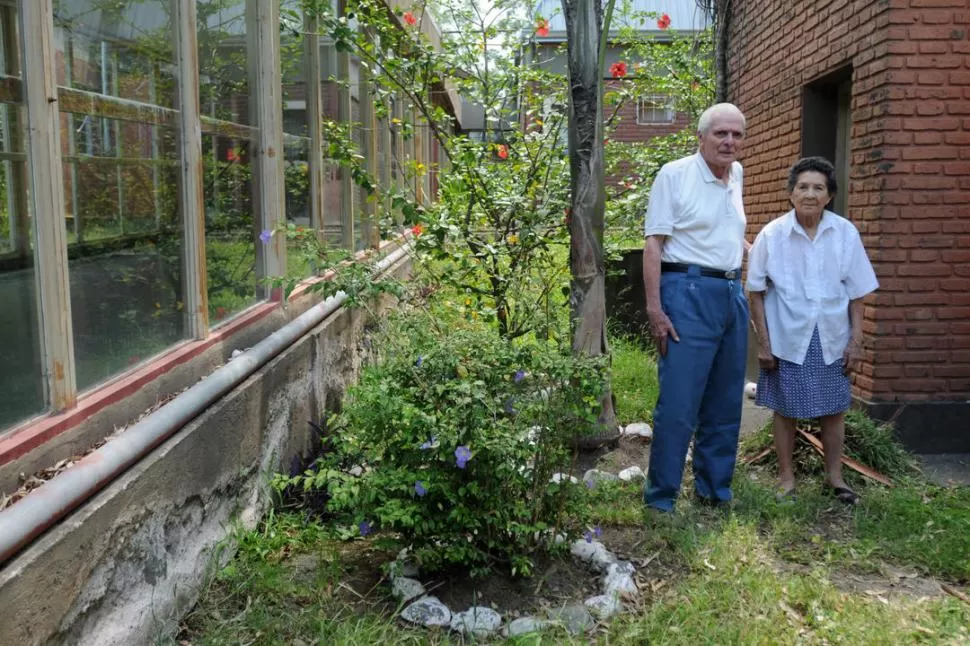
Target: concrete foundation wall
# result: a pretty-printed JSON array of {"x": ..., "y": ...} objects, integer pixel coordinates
[{"x": 125, "y": 566}]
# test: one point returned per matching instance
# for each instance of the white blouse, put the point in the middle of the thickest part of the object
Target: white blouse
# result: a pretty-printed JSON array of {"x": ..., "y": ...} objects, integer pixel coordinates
[{"x": 809, "y": 282}]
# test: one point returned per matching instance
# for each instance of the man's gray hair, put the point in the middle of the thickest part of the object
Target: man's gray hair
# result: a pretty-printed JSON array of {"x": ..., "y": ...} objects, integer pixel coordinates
[{"x": 704, "y": 123}]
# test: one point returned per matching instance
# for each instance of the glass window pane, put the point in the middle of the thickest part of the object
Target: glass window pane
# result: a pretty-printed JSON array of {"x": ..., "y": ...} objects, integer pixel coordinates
[
  {"x": 120, "y": 49},
  {"x": 230, "y": 229},
  {"x": 223, "y": 61},
  {"x": 231, "y": 225},
  {"x": 296, "y": 144},
  {"x": 332, "y": 173},
  {"x": 120, "y": 183},
  {"x": 21, "y": 380}
]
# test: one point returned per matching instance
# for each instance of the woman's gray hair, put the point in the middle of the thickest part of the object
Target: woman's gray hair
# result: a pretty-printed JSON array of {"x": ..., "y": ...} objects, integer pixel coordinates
[
  {"x": 817, "y": 165},
  {"x": 704, "y": 123}
]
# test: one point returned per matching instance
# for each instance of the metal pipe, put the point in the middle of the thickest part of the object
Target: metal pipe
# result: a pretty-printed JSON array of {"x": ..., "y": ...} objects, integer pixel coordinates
[{"x": 44, "y": 506}]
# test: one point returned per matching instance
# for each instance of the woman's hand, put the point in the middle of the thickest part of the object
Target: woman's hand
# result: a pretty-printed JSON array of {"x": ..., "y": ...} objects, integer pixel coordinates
[
  {"x": 766, "y": 360},
  {"x": 851, "y": 357}
]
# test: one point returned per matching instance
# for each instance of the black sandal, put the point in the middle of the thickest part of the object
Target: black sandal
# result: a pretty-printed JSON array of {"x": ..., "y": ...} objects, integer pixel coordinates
[{"x": 844, "y": 495}]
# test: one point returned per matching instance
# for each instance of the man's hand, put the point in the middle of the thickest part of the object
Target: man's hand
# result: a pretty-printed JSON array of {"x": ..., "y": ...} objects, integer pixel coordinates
[
  {"x": 851, "y": 357},
  {"x": 661, "y": 328},
  {"x": 766, "y": 360}
]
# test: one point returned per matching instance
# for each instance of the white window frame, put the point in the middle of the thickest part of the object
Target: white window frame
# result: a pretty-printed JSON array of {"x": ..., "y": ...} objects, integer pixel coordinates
[{"x": 657, "y": 103}]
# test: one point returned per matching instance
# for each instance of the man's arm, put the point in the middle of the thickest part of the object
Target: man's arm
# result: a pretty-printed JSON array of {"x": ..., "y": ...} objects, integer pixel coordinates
[
  {"x": 660, "y": 325},
  {"x": 765, "y": 358}
]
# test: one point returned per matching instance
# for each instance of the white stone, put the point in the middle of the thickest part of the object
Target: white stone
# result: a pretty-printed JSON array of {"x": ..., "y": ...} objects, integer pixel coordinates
[
  {"x": 751, "y": 389},
  {"x": 603, "y": 606},
  {"x": 550, "y": 535},
  {"x": 621, "y": 567},
  {"x": 631, "y": 473},
  {"x": 621, "y": 585},
  {"x": 477, "y": 620},
  {"x": 356, "y": 471},
  {"x": 575, "y": 618},
  {"x": 525, "y": 625},
  {"x": 405, "y": 588},
  {"x": 562, "y": 477},
  {"x": 427, "y": 611},
  {"x": 639, "y": 429},
  {"x": 404, "y": 565},
  {"x": 596, "y": 476},
  {"x": 593, "y": 553},
  {"x": 602, "y": 560}
]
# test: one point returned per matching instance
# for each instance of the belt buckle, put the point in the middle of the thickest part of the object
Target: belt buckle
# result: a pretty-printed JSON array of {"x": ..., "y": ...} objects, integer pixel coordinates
[{"x": 731, "y": 275}]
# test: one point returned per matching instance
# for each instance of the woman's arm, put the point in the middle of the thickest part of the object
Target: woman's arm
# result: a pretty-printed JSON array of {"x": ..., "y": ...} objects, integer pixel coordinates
[
  {"x": 765, "y": 358},
  {"x": 853, "y": 352}
]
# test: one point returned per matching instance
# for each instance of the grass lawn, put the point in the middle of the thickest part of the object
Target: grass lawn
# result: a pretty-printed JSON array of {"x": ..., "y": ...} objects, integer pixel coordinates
[{"x": 808, "y": 572}]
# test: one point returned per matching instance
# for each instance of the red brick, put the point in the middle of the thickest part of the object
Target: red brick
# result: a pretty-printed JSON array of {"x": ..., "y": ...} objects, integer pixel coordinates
[
  {"x": 945, "y": 314},
  {"x": 930, "y": 298},
  {"x": 956, "y": 256}
]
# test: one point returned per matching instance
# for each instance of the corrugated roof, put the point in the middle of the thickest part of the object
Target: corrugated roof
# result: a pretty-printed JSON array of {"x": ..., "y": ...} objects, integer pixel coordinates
[{"x": 685, "y": 15}]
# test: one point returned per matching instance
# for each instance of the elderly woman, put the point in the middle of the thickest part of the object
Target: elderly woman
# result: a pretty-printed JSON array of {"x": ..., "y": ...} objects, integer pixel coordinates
[{"x": 807, "y": 275}]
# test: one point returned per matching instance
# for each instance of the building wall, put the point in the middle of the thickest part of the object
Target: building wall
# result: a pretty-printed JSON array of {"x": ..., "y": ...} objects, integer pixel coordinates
[
  {"x": 127, "y": 564},
  {"x": 909, "y": 178}
]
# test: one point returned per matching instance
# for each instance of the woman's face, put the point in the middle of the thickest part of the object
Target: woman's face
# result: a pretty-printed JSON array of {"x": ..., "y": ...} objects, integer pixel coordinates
[{"x": 810, "y": 195}]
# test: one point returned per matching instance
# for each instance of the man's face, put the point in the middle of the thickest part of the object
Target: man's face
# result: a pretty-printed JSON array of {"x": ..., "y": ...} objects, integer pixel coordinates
[{"x": 722, "y": 142}]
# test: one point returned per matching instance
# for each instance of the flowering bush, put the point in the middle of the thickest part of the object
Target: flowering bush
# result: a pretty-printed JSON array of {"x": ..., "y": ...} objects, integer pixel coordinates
[{"x": 449, "y": 441}]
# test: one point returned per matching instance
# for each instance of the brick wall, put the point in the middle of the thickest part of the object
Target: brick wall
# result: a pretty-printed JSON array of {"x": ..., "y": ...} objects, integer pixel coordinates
[{"x": 909, "y": 188}]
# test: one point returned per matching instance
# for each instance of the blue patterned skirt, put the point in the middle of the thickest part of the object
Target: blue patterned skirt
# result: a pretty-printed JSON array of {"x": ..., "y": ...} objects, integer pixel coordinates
[{"x": 812, "y": 389}]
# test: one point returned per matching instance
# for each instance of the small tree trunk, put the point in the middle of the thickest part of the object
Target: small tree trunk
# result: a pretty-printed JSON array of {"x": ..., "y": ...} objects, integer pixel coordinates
[
  {"x": 587, "y": 301},
  {"x": 722, "y": 14}
]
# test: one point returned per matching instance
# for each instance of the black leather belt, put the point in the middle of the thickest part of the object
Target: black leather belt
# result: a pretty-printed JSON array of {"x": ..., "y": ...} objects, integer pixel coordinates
[{"x": 678, "y": 267}]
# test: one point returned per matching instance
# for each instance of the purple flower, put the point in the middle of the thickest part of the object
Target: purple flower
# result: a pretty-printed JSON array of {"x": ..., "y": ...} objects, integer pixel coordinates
[
  {"x": 597, "y": 532},
  {"x": 419, "y": 361},
  {"x": 430, "y": 444},
  {"x": 519, "y": 376},
  {"x": 365, "y": 528},
  {"x": 420, "y": 489},
  {"x": 588, "y": 535},
  {"x": 590, "y": 484},
  {"x": 265, "y": 236},
  {"x": 462, "y": 455}
]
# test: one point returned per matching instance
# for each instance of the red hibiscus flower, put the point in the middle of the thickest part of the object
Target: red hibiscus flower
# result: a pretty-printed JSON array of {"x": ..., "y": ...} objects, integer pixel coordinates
[
  {"x": 503, "y": 151},
  {"x": 232, "y": 155},
  {"x": 409, "y": 18},
  {"x": 542, "y": 27},
  {"x": 417, "y": 229},
  {"x": 663, "y": 21},
  {"x": 618, "y": 70}
]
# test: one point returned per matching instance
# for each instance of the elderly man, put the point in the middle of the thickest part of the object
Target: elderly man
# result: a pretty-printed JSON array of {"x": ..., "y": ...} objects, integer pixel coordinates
[{"x": 698, "y": 314}]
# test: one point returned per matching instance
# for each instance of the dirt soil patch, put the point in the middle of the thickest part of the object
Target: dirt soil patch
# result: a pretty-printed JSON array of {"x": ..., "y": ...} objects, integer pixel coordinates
[
  {"x": 629, "y": 452},
  {"x": 361, "y": 582}
]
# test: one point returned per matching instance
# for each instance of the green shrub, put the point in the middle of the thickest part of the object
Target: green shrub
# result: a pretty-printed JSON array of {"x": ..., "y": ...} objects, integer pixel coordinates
[{"x": 458, "y": 433}]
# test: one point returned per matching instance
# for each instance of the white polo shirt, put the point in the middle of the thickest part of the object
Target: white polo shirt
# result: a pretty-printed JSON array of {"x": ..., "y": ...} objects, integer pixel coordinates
[
  {"x": 702, "y": 217},
  {"x": 809, "y": 282}
]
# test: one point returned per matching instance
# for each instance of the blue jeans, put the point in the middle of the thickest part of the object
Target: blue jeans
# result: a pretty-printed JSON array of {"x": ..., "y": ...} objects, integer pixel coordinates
[{"x": 701, "y": 387}]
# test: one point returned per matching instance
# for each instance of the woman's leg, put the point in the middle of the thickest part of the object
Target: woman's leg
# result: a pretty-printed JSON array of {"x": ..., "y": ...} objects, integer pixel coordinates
[
  {"x": 833, "y": 438},
  {"x": 784, "y": 430}
]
